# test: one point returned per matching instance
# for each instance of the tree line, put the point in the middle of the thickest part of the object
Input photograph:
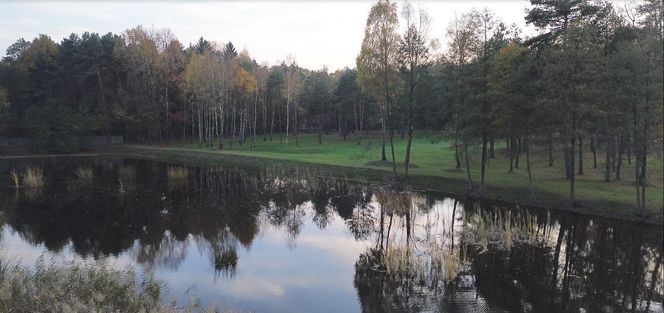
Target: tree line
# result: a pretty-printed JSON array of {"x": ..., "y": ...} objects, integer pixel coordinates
[
  {"x": 593, "y": 73},
  {"x": 592, "y": 76}
]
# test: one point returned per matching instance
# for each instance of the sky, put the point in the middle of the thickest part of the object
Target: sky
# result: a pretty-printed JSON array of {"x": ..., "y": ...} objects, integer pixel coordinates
[{"x": 317, "y": 33}]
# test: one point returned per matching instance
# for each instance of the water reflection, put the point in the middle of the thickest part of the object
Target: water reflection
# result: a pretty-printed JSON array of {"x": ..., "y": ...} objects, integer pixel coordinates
[{"x": 390, "y": 251}]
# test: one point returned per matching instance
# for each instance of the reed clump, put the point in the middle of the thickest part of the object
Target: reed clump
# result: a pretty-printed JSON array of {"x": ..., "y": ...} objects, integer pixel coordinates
[
  {"x": 503, "y": 229},
  {"x": 33, "y": 177},
  {"x": 127, "y": 173},
  {"x": 84, "y": 173},
  {"x": 397, "y": 202},
  {"x": 16, "y": 180},
  {"x": 177, "y": 172},
  {"x": 81, "y": 287},
  {"x": 452, "y": 265}
]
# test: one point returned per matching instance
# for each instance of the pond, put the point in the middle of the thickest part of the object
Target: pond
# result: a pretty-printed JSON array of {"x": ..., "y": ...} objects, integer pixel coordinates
[{"x": 275, "y": 240}]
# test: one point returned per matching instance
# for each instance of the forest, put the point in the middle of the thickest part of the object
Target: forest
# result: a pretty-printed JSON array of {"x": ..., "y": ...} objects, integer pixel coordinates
[{"x": 591, "y": 79}]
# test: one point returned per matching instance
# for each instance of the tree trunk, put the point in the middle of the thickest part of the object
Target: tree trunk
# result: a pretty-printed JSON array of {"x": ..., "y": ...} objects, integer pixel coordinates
[
  {"x": 567, "y": 157},
  {"x": 510, "y": 148},
  {"x": 613, "y": 154},
  {"x": 593, "y": 148},
  {"x": 492, "y": 153},
  {"x": 571, "y": 183},
  {"x": 272, "y": 120},
  {"x": 619, "y": 162},
  {"x": 580, "y": 156},
  {"x": 550, "y": 146},
  {"x": 528, "y": 169},
  {"x": 465, "y": 152},
  {"x": 320, "y": 124},
  {"x": 607, "y": 167},
  {"x": 483, "y": 161},
  {"x": 456, "y": 152},
  {"x": 107, "y": 128},
  {"x": 382, "y": 133},
  {"x": 517, "y": 148},
  {"x": 409, "y": 122}
]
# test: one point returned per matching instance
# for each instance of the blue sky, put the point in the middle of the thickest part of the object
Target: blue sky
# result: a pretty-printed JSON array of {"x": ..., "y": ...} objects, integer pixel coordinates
[{"x": 317, "y": 33}]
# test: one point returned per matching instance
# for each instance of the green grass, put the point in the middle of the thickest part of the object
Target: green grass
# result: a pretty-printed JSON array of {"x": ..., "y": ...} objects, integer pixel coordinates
[{"x": 435, "y": 169}]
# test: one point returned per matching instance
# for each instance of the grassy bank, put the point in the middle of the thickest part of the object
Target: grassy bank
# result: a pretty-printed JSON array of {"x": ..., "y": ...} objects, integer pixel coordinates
[{"x": 435, "y": 169}]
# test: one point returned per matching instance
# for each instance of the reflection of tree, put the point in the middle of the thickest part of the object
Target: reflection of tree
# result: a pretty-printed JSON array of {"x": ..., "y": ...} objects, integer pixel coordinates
[
  {"x": 593, "y": 265},
  {"x": 597, "y": 266},
  {"x": 169, "y": 253},
  {"x": 154, "y": 219}
]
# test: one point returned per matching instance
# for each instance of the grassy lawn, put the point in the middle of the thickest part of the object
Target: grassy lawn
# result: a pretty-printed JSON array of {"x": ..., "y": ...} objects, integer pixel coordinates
[{"x": 435, "y": 169}]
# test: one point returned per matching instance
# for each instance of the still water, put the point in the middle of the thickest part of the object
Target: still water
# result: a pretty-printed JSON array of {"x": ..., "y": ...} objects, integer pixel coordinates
[{"x": 270, "y": 240}]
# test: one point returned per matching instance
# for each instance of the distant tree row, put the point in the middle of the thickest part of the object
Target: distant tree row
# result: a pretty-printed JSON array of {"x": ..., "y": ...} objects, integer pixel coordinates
[
  {"x": 591, "y": 77},
  {"x": 145, "y": 85}
]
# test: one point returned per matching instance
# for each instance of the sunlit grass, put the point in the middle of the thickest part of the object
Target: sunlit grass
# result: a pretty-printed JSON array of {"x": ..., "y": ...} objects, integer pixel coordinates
[
  {"x": 434, "y": 157},
  {"x": 84, "y": 173},
  {"x": 503, "y": 230},
  {"x": 177, "y": 172},
  {"x": 15, "y": 177},
  {"x": 452, "y": 265},
  {"x": 33, "y": 177}
]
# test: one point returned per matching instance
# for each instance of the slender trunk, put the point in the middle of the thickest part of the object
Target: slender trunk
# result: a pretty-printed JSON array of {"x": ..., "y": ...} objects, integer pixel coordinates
[
  {"x": 296, "y": 127},
  {"x": 550, "y": 146},
  {"x": 566, "y": 156},
  {"x": 516, "y": 148},
  {"x": 530, "y": 174},
  {"x": 613, "y": 154},
  {"x": 580, "y": 156},
  {"x": 619, "y": 162},
  {"x": 382, "y": 133},
  {"x": 484, "y": 157},
  {"x": 264, "y": 114},
  {"x": 272, "y": 120},
  {"x": 465, "y": 152},
  {"x": 320, "y": 129},
  {"x": 571, "y": 184},
  {"x": 492, "y": 153},
  {"x": 184, "y": 123},
  {"x": 409, "y": 122},
  {"x": 607, "y": 166},
  {"x": 593, "y": 148},
  {"x": 102, "y": 97},
  {"x": 253, "y": 137},
  {"x": 456, "y": 152},
  {"x": 510, "y": 148},
  {"x": 637, "y": 175},
  {"x": 644, "y": 156}
]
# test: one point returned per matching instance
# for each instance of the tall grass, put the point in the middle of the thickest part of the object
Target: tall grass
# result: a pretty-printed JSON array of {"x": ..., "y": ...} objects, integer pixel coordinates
[
  {"x": 84, "y": 173},
  {"x": 397, "y": 202},
  {"x": 177, "y": 172},
  {"x": 127, "y": 173},
  {"x": 33, "y": 177},
  {"x": 452, "y": 265},
  {"x": 16, "y": 180},
  {"x": 76, "y": 287},
  {"x": 504, "y": 229}
]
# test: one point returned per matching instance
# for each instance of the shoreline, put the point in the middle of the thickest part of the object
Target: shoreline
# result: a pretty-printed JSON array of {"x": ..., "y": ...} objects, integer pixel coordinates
[{"x": 452, "y": 187}]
